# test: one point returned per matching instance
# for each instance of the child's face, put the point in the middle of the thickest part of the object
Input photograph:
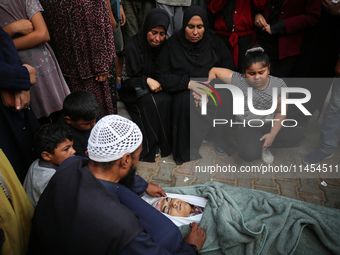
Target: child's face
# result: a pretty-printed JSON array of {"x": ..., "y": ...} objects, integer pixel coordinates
[
  {"x": 257, "y": 76},
  {"x": 175, "y": 207},
  {"x": 82, "y": 125},
  {"x": 63, "y": 151}
]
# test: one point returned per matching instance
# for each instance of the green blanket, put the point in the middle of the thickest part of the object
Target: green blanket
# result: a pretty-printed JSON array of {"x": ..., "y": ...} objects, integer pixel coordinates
[{"x": 245, "y": 221}]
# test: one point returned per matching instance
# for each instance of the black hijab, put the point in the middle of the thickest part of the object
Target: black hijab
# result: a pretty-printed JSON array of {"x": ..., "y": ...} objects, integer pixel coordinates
[
  {"x": 140, "y": 56},
  {"x": 202, "y": 53}
]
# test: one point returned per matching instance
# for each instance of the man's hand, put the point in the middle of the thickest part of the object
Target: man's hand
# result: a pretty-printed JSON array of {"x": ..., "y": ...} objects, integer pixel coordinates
[
  {"x": 32, "y": 72},
  {"x": 196, "y": 236},
  {"x": 21, "y": 99},
  {"x": 155, "y": 191}
]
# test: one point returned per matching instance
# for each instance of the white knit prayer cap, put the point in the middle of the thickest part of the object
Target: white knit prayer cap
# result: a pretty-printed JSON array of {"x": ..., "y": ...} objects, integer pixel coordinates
[{"x": 112, "y": 137}]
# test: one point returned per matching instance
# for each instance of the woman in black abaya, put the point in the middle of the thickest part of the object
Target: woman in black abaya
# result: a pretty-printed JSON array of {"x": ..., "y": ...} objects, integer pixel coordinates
[
  {"x": 190, "y": 53},
  {"x": 148, "y": 106}
]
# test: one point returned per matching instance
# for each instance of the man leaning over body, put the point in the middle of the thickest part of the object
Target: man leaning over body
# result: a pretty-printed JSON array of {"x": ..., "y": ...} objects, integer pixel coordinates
[{"x": 81, "y": 210}]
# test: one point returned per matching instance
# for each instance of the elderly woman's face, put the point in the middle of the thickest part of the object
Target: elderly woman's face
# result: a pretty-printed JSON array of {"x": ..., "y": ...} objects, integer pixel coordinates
[
  {"x": 175, "y": 207},
  {"x": 156, "y": 36},
  {"x": 195, "y": 29}
]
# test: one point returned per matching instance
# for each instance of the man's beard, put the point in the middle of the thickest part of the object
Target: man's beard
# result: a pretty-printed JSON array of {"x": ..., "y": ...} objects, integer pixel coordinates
[{"x": 129, "y": 179}]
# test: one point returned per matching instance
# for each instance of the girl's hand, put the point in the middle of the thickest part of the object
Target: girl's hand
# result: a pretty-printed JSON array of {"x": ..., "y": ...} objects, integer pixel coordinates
[
  {"x": 197, "y": 92},
  {"x": 197, "y": 98},
  {"x": 24, "y": 26},
  {"x": 260, "y": 21},
  {"x": 268, "y": 140},
  {"x": 154, "y": 85},
  {"x": 102, "y": 78}
]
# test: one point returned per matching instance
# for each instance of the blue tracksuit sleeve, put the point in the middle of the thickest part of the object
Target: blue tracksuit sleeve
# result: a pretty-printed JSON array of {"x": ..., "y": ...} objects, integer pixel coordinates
[{"x": 142, "y": 244}]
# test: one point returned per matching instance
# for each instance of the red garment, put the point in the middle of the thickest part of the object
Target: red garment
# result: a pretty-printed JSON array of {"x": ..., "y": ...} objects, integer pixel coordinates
[
  {"x": 243, "y": 20},
  {"x": 298, "y": 15}
]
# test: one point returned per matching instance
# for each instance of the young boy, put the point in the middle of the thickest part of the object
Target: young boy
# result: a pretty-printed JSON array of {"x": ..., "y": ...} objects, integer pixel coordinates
[
  {"x": 81, "y": 111},
  {"x": 54, "y": 144}
]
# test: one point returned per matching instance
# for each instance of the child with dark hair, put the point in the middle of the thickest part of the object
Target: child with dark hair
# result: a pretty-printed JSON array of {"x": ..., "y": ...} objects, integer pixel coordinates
[
  {"x": 81, "y": 111},
  {"x": 254, "y": 140},
  {"x": 53, "y": 143}
]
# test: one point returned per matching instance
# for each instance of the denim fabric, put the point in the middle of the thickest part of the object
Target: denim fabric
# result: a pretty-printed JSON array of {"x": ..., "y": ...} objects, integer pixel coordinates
[{"x": 330, "y": 129}]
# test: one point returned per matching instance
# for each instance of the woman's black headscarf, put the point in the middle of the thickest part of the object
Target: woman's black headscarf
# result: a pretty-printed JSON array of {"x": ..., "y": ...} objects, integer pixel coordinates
[
  {"x": 201, "y": 53},
  {"x": 140, "y": 56}
]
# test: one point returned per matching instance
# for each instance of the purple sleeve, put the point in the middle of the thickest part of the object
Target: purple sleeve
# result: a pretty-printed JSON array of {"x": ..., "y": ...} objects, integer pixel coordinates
[{"x": 33, "y": 7}]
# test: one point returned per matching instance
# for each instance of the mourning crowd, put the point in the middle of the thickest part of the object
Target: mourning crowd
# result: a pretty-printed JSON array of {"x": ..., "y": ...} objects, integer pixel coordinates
[{"x": 68, "y": 159}]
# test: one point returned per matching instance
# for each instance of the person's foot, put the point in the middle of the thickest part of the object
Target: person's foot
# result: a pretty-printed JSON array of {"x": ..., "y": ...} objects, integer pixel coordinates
[
  {"x": 316, "y": 157},
  {"x": 219, "y": 150},
  {"x": 267, "y": 156}
]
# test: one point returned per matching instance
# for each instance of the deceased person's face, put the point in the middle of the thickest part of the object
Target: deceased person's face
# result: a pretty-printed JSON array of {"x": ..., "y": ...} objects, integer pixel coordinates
[{"x": 175, "y": 207}]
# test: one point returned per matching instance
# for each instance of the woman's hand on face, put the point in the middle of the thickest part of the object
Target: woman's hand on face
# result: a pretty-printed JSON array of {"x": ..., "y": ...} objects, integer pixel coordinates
[
  {"x": 268, "y": 140},
  {"x": 260, "y": 21},
  {"x": 154, "y": 85},
  {"x": 102, "y": 78}
]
